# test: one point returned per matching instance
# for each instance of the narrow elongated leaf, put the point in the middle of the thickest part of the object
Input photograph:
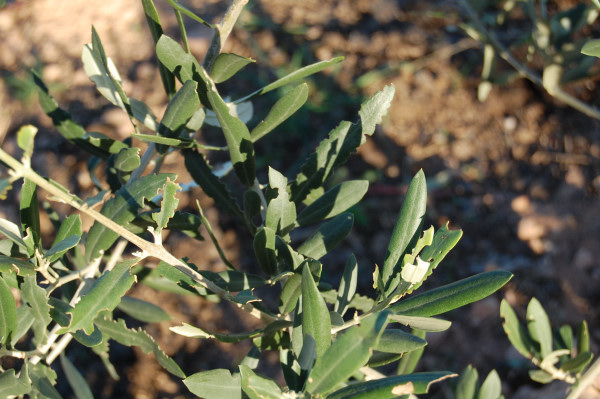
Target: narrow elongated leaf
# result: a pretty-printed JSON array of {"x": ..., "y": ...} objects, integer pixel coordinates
[
  {"x": 202, "y": 174},
  {"x": 101, "y": 72},
  {"x": 12, "y": 232},
  {"x": 281, "y": 212},
  {"x": 296, "y": 75},
  {"x": 398, "y": 341},
  {"x": 236, "y": 134},
  {"x": 215, "y": 384},
  {"x": 70, "y": 226},
  {"x": 178, "y": 143},
  {"x": 61, "y": 247},
  {"x": 226, "y": 65},
  {"x": 347, "y": 286},
  {"x": 11, "y": 385},
  {"x": 30, "y": 215},
  {"x": 153, "y": 19},
  {"x": 346, "y": 355},
  {"x": 264, "y": 248},
  {"x": 451, "y": 296},
  {"x": 176, "y": 59},
  {"x": 327, "y": 237},
  {"x": 76, "y": 380},
  {"x": 468, "y": 384},
  {"x": 517, "y": 334},
  {"x": 392, "y": 387},
  {"x": 257, "y": 387},
  {"x": 583, "y": 337},
  {"x": 118, "y": 331},
  {"x": 179, "y": 111},
  {"x": 359, "y": 302},
  {"x": 190, "y": 331},
  {"x": 408, "y": 226},
  {"x": 578, "y": 363},
  {"x": 168, "y": 205},
  {"x": 422, "y": 323},
  {"x": 335, "y": 201},
  {"x": 105, "y": 294},
  {"x": 142, "y": 310},
  {"x": 122, "y": 209},
  {"x": 491, "y": 387},
  {"x": 315, "y": 315},
  {"x": 8, "y": 312},
  {"x": 409, "y": 361},
  {"x": 340, "y": 144},
  {"x": 285, "y": 107},
  {"x": 36, "y": 299},
  {"x": 539, "y": 327}
]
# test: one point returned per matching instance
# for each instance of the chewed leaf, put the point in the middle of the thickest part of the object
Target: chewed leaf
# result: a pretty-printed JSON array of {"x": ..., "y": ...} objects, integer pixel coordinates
[
  {"x": 105, "y": 294},
  {"x": 168, "y": 205},
  {"x": 25, "y": 137},
  {"x": 35, "y": 297},
  {"x": 257, "y": 387},
  {"x": 517, "y": 334}
]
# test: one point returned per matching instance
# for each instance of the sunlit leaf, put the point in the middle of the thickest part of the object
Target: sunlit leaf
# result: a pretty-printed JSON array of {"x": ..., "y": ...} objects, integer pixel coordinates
[
  {"x": 335, "y": 201},
  {"x": 214, "y": 384},
  {"x": 315, "y": 315},
  {"x": 257, "y": 387},
  {"x": 168, "y": 205},
  {"x": 517, "y": 334},
  {"x": 226, "y": 65},
  {"x": 538, "y": 325},
  {"x": 468, "y": 384}
]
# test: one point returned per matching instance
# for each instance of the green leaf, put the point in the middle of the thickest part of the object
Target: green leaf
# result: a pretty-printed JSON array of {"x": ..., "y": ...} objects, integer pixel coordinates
[
  {"x": 422, "y": 323},
  {"x": 591, "y": 47},
  {"x": 398, "y": 341},
  {"x": 407, "y": 229},
  {"x": 25, "y": 137},
  {"x": 35, "y": 296},
  {"x": 179, "y": 111},
  {"x": 409, "y": 361},
  {"x": 264, "y": 248},
  {"x": 202, "y": 174},
  {"x": 578, "y": 363},
  {"x": 491, "y": 387},
  {"x": 24, "y": 323},
  {"x": 168, "y": 205},
  {"x": 392, "y": 387},
  {"x": 44, "y": 380},
  {"x": 292, "y": 289},
  {"x": 190, "y": 331},
  {"x": 257, "y": 387},
  {"x": 451, "y": 296},
  {"x": 347, "y": 286},
  {"x": 315, "y": 315},
  {"x": 333, "y": 202},
  {"x": 178, "y": 143},
  {"x": 467, "y": 385},
  {"x": 294, "y": 76},
  {"x": 176, "y": 59},
  {"x": 122, "y": 209},
  {"x": 329, "y": 235},
  {"x": 540, "y": 376},
  {"x": 236, "y": 134},
  {"x": 10, "y": 385},
  {"x": 339, "y": 145},
  {"x": 105, "y": 294},
  {"x": 226, "y": 65},
  {"x": 118, "y": 331},
  {"x": 281, "y": 212},
  {"x": 142, "y": 310},
  {"x": 30, "y": 215},
  {"x": 153, "y": 19},
  {"x": 517, "y": 334},
  {"x": 215, "y": 384},
  {"x": 19, "y": 266},
  {"x": 285, "y": 107},
  {"x": 76, "y": 380},
  {"x": 583, "y": 337},
  {"x": 346, "y": 355},
  {"x": 127, "y": 160},
  {"x": 103, "y": 73},
  {"x": 5, "y": 187},
  {"x": 564, "y": 340},
  {"x": 70, "y": 226},
  {"x": 8, "y": 312},
  {"x": 539, "y": 327},
  {"x": 12, "y": 232},
  {"x": 60, "y": 248}
]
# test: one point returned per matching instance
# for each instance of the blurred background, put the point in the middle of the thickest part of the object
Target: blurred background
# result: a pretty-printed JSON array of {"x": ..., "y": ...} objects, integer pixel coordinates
[{"x": 519, "y": 173}]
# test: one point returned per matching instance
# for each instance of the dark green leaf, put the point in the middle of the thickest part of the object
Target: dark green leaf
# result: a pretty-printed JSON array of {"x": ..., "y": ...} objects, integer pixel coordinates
[
  {"x": 215, "y": 384},
  {"x": 409, "y": 361},
  {"x": 407, "y": 229},
  {"x": 30, "y": 216},
  {"x": 346, "y": 355},
  {"x": 44, "y": 380},
  {"x": 578, "y": 363},
  {"x": 24, "y": 323},
  {"x": 448, "y": 297},
  {"x": 538, "y": 325},
  {"x": 176, "y": 59},
  {"x": 329, "y": 235},
  {"x": 202, "y": 174},
  {"x": 11, "y": 385},
  {"x": 70, "y": 226},
  {"x": 257, "y": 387},
  {"x": 105, "y": 294},
  {"x": 347, "y": 286},
  {"x": 333, "y": 202},
  {"x": 142, "y": 310},
  {"x": 467, "y": 385},
  {"x": 118, "y": 331},
  {"x": 168, "y": 205},
  {"x": 264, "y": 248},
  {"x": 76, "y": 380},
  {"x": 517, "y": 334},
  {"x": 315, "y": 315},
  {"x": 35, "y": 296},
  {"x": 285, "y": 107},
  {"x": 122, "y": 209},
  {"x": 583, "y": 337},
  {"x": 156, "y": 30},
  {"x": 226, "y": 65},
  {"x": 61, "y": 247},
  {"x": 179, "y": 111},
  {"x": 398, "y": 341},
  {"x": 392, "y": 387},
  {"x": 8, "y": 312},
  {"x": 179, "y": 142}
]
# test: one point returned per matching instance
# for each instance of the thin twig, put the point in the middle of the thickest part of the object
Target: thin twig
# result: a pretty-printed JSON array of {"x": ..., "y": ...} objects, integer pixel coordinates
[{"x": 211, "y": 233}]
